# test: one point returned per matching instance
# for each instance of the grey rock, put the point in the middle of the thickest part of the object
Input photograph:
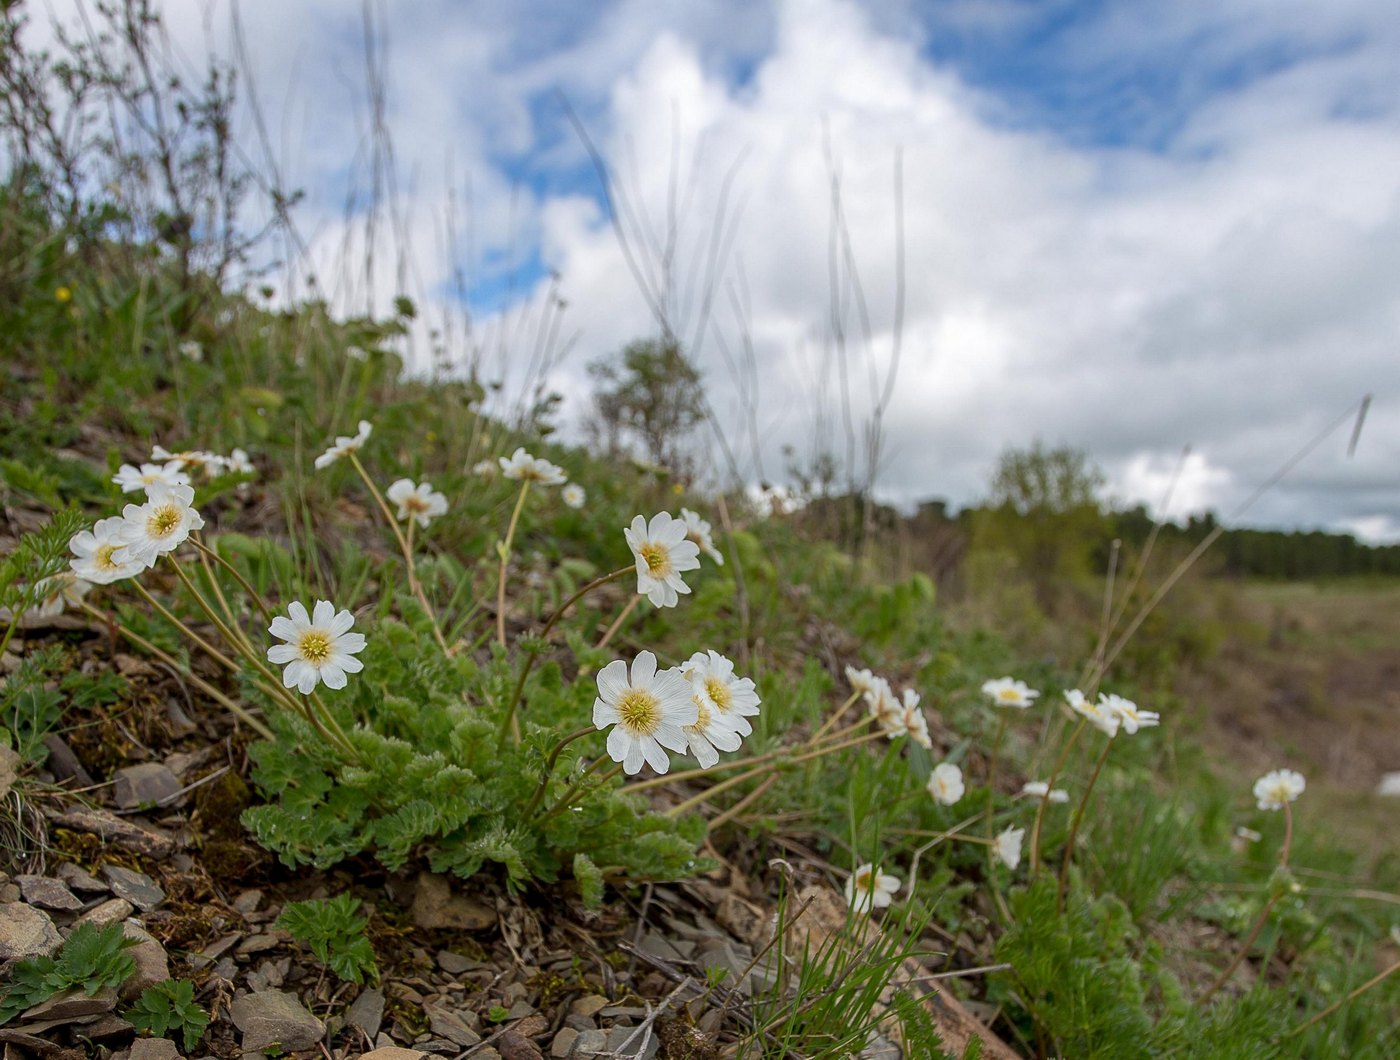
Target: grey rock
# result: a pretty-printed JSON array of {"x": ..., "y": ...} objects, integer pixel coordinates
[
  {"x": 640, "y": 1045},
  {"x": 248, "y": 901},
  {"x": 152, "y": 965},
  {"x": 436, "y": 906},
  {"x": 590, "y": 1043},
  {"x": 47, "y": 892},
  {"x": 143, "y": 839},
  {"x": 153, "y": 1049},
  {"x": 109, "y": 912},
  {"x": 272, "y": 1017},
  {"x": 136, "y": 887},
  {"x": 367, "y": 1012},
  {"x": 563, "y": 1044},
  {"x": 80, "y": 880},
  {"x": 73, "y": 1004},
  {"x": 453, "y": 963},
  {"x": 148, "y": 784},
  {"x": 441, "y": 1047},
  {"x": 26, "y": 932},
  {"x": 881, "y": 1048},
  {"x": 445, "y": 1022},
  {"x": 393, "y": 1052}
]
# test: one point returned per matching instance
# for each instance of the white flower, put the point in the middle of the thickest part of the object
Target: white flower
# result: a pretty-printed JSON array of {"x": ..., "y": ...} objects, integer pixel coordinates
[
  {"x": 649, "y": 712},
  {"x": 662, "y": 553},
  {"x": 867, "y": 888},
  {"x": 1037, "y": 789},
  {"x": 420, "y": 502},
  {"x": 862, "y": 681},
  {"x": 913, "y": 724},
  {"x": 1008, "y": 846},
  {"x": 345, "y": 445},
  {"x": 133, "y": 479},
  {"x": 192, "y": 459},
  {"x": 1008, "y": 692},
  {"x": 319, "y": 647},
  {"x": 95, "y": 553},
  {"x": 191, "y": 351},
  {"x": 945, "y": 784},
  {"x": 885, "y": 708},
  {"x": 355, "y": 353},
  {"x": 150, "y": 530},
  {"x": 521, "y": 465},
  {"x": 1105, "y": 719},
  {"x": 55, "y": 593},
  {"x": 698, "y": 530},
  {"x": 238, "y": 462},
  {"x": 1128, "y": 713},
  {"x": 712, "y": 732},
  {"x": 712, "y": 679},
  {"x": 485, "y": 468},
  {"x": 573, "y": 495},
  {"x": 1277, "y": 787}
]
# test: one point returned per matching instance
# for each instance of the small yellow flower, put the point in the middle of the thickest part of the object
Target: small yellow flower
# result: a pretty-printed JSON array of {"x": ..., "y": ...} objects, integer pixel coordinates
[
  {"x": 63, "y": 294},
  {"x": 677, "y": 489}
]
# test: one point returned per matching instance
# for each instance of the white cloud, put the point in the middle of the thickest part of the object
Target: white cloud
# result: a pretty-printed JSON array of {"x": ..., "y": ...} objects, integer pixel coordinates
[{"x": 1230, "y": 288}]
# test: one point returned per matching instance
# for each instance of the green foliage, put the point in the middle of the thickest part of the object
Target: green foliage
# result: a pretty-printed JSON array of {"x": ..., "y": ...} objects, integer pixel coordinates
[
  {"x": 167, "y": 1008},
  {"x": 435, "y": 779},
  {"x": 650, "y": 395},
  {"x": 336, "y": 934},
  {"x": 91, "y": 959}
]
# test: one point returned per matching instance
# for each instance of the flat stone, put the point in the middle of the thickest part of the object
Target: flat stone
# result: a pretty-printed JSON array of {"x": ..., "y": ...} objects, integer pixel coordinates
[
  {"x": 635, "y": 1050},
  {"x": 563, "y": 1043},
  {"x": 441, "y": 1046},
  {"x": 80, "y": 880},
  {"x": 73, "y": 1004},
  {"x": 109, "y": 912},
  {"x": 447, "y": 1023},
  {"x": 590, "y": 1043},
  {"x": 273, "y": 1017},
  {"x": 107, "y": 1027},
  {"x": 143, "y": 839},
  {"x": 153, "y": 1049},
  {"x": 26, "y": 932},
  {"x": 248, "y": 901},
  {"x": 148, "y": 784},
  {"x": 588, "y": 1005},
  {"x": 453, "y": 963},
  {"x": 393, "y": 1052},
  {"x": 515, "y": 1046},
  {"x": 367, "y": 1012},
  {"x": 136, "y": 887},
  {"x": 435, "y": 905},
  {"x": 262, "y": 943},
  {"x": 47, "y": 892},
  {"x": 152, "y": 965}
]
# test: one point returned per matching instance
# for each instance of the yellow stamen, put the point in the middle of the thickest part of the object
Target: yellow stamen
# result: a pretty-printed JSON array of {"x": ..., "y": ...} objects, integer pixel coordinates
[
  {"x": 658, "y": 560},
  {"x": 103, "y": 560},
  {"x": 163, "y": 521},
  {"x": 702, "y": 721},
  {"x": 719, "y": 694},
  {"x": 639, "y": 711},
  {"x": 314, "y": 646}
]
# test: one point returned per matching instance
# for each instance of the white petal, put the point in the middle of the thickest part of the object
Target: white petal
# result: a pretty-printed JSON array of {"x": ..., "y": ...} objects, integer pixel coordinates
[
  {"x": 306, "y": 680},
  {"x": 604, "y": 715},
  {"x": 341, "y": 623},
  {"x": 350, "y": 643},
  {"x": 655, "y": 756},
  {"x": 619, "y": 743},
  {"x": 703, "y": 752},
  {"x": 281, "y": 653},
  {"x": 643, "y": 669},
  {"x": 348, "y": 663},
  {"x": 323, "y": 614},
  {"x": 283, "y": 627},
  {"x": 612, "y": 681},
  {"x": 671, "y": 736},
  {"x": 333, "y": 675},
  {"x": 299, "y": 616}
]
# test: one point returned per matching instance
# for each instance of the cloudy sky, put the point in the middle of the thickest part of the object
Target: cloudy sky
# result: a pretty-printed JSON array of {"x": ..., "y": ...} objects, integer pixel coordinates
[{"x": 1128, "y": 227}]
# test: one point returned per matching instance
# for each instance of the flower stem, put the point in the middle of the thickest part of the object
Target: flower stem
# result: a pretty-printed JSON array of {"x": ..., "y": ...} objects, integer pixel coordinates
[
  {"x": 413, "y": 584},
  {"x": 1373, "y": 981},
  {"x": 510, "y": 722},
  {"x": 209, "y": 649},
  {"x": 505, "y": 561},
  {"x": 549, "y": 762},
  {"x": 840, "y": 713},
  {"x": 991, "y": 801},
  {"x": 565, "y": 799},
  {"x": 743, "y": 804},
  {"x": 617, "y": 622},
  {"x": 1075, "y": 821},
  {"x": 238, "y": 576},
  {"x": 229, "y": 704},
  {"x": 1049, "y": 787},
  {"x": 1261, "y": 920}
]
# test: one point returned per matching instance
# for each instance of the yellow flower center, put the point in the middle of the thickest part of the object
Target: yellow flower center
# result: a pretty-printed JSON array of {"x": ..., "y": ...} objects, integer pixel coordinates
[
  {"x": 103, "y": 559},
  {"x": 658, "y": 560},
  {"x": 163, "y": 521},
  {"x": 702, "y": 720},
  {"x": 719, "y": 694},
  {"x": 314, "y": 646},
  {"x": 1008, "y": 695},
  {"x": 865, "y": 880},
  {"x": 639, "y": 711},
  {"x": 414, "y": 503}
]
